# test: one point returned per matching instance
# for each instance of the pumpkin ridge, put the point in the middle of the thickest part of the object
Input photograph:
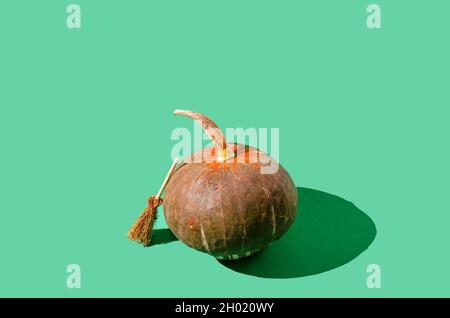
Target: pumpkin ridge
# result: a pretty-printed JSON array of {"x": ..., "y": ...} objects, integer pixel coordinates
[
  {"x": 241, "y": 213},
  {"x": 178, "y": 182}
]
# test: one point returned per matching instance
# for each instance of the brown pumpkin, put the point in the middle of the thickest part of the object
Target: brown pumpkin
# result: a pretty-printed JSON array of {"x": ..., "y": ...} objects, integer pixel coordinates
[{"x": 222, "y": 204}]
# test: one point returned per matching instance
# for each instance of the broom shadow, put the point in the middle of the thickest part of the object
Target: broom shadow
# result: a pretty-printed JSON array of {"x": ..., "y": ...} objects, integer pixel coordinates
[
  {"x": 162, "y": 236},
  {"x": 328, "y": 232}
]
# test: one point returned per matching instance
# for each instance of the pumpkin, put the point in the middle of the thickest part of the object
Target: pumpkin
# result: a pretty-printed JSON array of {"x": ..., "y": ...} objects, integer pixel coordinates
[{"x": 222, "y": 204}]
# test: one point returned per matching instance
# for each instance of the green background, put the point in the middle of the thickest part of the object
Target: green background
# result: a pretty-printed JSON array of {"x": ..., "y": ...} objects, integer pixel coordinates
[{"x": 85, "y": 124}]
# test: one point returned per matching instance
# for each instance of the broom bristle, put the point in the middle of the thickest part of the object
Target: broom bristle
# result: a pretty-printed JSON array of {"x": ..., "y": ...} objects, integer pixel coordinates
[{"x": 141, "y": 231}]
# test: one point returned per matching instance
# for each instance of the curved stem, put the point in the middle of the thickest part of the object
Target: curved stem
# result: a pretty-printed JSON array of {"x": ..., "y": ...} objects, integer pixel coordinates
[{"x": 212, "y": 130}]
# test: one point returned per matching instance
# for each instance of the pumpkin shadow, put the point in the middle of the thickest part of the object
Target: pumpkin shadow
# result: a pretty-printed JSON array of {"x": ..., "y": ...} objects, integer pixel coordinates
[{"x": 328, "y": 232}]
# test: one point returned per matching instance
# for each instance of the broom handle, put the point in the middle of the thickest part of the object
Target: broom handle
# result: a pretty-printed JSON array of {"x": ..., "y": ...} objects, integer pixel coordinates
[{"x": 167, "y": 179}]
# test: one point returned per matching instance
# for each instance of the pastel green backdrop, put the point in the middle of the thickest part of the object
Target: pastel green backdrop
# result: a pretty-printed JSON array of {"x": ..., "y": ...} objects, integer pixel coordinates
[{"x": 85, "y": 123}]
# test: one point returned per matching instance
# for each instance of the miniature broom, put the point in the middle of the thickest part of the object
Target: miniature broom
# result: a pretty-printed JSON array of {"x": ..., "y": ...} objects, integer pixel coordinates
[{"x": 141, "y": 231}]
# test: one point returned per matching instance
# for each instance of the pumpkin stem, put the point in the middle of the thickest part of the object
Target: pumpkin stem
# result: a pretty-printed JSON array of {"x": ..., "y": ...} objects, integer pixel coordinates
[{"x": 212, "y": 130}]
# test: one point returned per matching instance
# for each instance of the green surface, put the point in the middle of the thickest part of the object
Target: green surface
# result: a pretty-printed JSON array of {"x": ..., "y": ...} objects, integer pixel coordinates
[{"x": 85, "y": 123}]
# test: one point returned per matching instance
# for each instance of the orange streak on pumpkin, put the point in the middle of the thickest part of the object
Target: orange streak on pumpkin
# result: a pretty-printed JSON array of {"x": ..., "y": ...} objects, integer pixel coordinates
[
  {"x": 215, "y": 165},
  {"x": 191, "y": 222}
]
